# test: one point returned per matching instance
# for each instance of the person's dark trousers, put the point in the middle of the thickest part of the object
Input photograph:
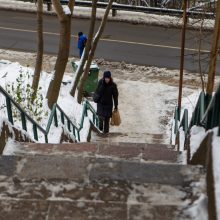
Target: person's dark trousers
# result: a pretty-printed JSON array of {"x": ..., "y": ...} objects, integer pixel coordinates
[
  {"x": 104, "y": 124},
  {"x": 80, "y": 52}
]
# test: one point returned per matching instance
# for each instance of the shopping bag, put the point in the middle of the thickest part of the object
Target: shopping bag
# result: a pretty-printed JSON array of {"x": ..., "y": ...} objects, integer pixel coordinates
[{"x": 116, "y": 119}]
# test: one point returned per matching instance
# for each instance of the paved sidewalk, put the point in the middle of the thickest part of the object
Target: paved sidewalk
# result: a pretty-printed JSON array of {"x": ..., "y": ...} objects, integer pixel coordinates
[{"x": 122, "y": 16}]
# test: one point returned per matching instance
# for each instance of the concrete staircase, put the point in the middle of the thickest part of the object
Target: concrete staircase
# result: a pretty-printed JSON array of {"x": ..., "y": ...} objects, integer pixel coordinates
[{"x": 121, "y": 181}]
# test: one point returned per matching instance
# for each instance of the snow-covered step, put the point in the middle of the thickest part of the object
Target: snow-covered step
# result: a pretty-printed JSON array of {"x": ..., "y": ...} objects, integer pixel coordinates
[
  {"x": 128, "y": 151},
  {"x": 129, "y": 137},
  {"x": 66, "y": 187}
]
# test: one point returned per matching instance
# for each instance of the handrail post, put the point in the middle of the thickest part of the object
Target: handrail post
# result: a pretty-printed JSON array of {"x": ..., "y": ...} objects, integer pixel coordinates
[
  {"x": 9, "y": 110},
  {"x": 23, "y": 120},
  {"x": 62, "y": 117},
  {"x": 97, "y": 121},
  {"x": 209, "y": 119},
  {"x": 93, "y": 118},
  {"x": 78, "y": 135},
  {"x": 176, "y": 118},
  {"x": 55, "y": 118},
  {"x": 35, "y": 131},
  {"x": 74, "y": 133},
  {"x": 46, "y": 138},
  {"x": 186, "y": 121},
  {"x": 86, "y": 113},
  {"x": 68, "y": 125}
]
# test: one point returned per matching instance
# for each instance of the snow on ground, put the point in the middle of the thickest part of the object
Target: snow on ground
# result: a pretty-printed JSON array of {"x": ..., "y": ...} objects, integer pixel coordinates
[
  {"x": 132, "y": 17},
  {"x": 197, "y": 136},
  {"x": 145, "y": 107},
  {"x": 9, "y": 71}
]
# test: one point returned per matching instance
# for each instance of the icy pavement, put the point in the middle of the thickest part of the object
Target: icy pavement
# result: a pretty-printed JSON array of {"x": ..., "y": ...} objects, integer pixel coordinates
[{"x": 146, "y": 109}]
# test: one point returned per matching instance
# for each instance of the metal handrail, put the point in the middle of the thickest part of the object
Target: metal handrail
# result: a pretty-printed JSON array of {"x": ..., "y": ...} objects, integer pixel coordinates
[
  {"x": 184, "y": 122},
  {"x": 199, "y": 110},
  {"x": 24, "y": 115},
  {"x": 53, "y": 116},
  {"x": 205, "y": 114},
  {"x": 155, "y": 10}
]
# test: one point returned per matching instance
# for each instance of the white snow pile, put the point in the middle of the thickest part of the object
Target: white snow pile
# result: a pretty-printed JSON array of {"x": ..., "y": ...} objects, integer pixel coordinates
[
  {"x": 66, "y": 10},
  {"x": 131, "y": 17},
  {"x": 197, "y": 136},
  {"x": 9, "y": 72}
]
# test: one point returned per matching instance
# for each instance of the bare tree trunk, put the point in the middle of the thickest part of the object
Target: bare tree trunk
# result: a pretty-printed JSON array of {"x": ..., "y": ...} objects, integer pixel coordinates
[
  {"x": 63, "y": 54},
  {"x": 40, "y": 48},
  {"x": 85, "y": 55},
  {"x": 92, "y": 51},
  {"x": 214, "y": 52}
]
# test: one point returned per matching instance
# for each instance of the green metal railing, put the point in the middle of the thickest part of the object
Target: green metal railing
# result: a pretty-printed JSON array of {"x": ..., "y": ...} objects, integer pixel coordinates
[
  {"x": 211, "y": 117},
  {"x": 183, "y": 123},
  {"x": 205, "y": 114},
  {"x": 199, "y": 110},
  {"x": 24, "y": 116},
  {"x": 65, "y": 120}
]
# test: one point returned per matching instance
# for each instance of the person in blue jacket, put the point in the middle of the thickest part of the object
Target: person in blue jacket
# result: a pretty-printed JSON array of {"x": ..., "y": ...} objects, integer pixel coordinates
[{"x": 82, "y": 39}]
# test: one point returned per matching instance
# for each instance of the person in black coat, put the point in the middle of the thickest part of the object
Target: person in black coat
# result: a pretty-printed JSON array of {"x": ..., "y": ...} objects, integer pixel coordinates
[{"x": 107, "y": 92}]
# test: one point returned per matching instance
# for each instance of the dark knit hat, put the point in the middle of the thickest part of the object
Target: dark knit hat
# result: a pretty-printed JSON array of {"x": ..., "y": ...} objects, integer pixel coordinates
[
  {"x": 107, "y": 74},
  {"x": 80, "y": 33}
]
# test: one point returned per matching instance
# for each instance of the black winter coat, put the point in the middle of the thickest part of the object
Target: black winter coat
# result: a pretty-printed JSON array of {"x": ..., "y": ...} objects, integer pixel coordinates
[{"x": 107, "y": 93}]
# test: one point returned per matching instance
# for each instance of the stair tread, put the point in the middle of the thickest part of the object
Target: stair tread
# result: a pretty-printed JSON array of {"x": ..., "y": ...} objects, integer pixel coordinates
[
  {"x": 56, "y": 210},
  {"x": 129, "y": 151},
  {"x": 79, "y": 168},
  {"x": 129, "y": 137}
]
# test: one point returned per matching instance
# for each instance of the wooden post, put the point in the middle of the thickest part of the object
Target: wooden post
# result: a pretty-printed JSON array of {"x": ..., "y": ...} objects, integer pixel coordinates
[{"x": 182, "y": 55}]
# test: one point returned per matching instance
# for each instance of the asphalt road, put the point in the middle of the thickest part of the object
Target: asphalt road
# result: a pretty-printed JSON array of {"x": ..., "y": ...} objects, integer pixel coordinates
[{"x": 136, "y": 44}]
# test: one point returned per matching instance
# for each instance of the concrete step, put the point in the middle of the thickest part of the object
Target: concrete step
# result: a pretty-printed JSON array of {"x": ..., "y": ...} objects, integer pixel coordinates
[
  {"x": 66, "y": 187},
  {"x": 128, "y": 151},
  {"x": 129, "y": 137}
]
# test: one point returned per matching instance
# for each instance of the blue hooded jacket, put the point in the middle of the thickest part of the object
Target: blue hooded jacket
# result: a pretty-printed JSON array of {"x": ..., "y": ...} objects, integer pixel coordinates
[{"x": 82, "y": 41}]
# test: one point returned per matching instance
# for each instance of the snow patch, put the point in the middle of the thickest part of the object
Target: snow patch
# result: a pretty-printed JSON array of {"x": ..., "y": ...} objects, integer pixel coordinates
[
  {"x": 197, "y": 136},
  {"x": 66, "y": 10},
  {"x": 11, "y": 147},
  {"x": 65, "y": 100}
]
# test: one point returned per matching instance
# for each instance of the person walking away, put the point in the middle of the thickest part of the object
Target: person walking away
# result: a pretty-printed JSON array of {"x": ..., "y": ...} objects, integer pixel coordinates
[
  {"x": 107, "y": 92},
  {"x": 82, "y": 39}
]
